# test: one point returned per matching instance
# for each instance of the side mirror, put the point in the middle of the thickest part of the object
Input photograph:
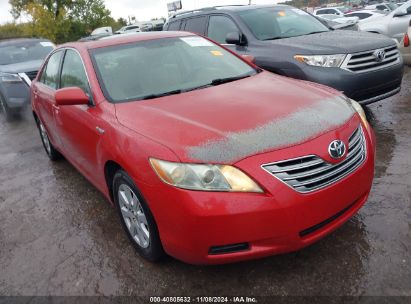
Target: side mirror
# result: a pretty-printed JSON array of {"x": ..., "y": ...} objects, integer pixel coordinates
[
  {"x": 249, "y": 58},
  {"x": 235, "y": 38},
  {"x": 71, "y": 96},
  {"x": 400, "y": 13}
]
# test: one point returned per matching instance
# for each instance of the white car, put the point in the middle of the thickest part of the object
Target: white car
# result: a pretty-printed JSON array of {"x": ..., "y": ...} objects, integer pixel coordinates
[
  {"x": 340, "y": 11},
  {"x": 405, "y": 46},
  {"x": 366, "y": 15},
  {"x": 393, "y": 25},
  {"x": 128, "y": 29},
  {"x": 339, "y": 19},
  {"x": 387, "y": 7}
]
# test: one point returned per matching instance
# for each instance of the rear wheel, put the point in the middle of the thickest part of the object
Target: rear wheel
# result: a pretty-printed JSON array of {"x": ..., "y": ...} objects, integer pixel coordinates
[
  {"x": 52, "y": 153},
  {"x": 136, "y": 218}
]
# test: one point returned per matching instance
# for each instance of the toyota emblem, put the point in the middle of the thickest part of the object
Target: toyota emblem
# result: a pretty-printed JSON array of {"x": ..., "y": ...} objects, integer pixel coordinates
[
  {"x": 379, "y": 55},
  {"x": 336, "y": 149}
]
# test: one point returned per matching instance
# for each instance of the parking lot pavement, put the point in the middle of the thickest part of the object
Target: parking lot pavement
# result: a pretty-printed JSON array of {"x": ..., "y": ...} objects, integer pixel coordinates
[{"x": 59, "y": 236}]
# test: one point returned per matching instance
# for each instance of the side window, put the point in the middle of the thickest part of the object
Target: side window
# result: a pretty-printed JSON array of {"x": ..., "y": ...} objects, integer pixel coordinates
[
  {"x": 219, "y": 27},
  {"x": 50, "y": 76},
  {"x": 73, "y": 73},
  {"x": 381, "y": 7},
  {"x": 196, "y": 25},
  {"x": 409, "y": 10},
  {"x": 174, "y": 26}
]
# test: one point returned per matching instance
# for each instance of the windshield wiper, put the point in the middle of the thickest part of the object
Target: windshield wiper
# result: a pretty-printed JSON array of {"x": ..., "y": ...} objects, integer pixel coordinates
[
  {"x": 228, "y": 79},
  {"x": 152, "y": 96}
]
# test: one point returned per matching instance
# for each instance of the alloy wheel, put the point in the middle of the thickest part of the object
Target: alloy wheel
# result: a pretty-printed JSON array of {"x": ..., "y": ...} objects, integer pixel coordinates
[{"x": 133, "y": 215}]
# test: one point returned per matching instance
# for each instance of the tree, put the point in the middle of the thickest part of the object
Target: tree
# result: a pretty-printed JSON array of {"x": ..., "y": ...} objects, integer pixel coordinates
[
  {"x": 52, "y": 6},
  {"x": 62, "y": 20}
]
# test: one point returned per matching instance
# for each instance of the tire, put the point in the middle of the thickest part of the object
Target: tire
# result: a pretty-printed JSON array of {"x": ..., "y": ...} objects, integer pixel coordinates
[
  {"x": 136, "y": 218},
  {"x": 52, "y": 153},
  {"x": 5, "y": 109}
]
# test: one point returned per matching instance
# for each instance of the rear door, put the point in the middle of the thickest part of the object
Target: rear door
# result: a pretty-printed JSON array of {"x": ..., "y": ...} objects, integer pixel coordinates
[{"x": 43, "y": 93}]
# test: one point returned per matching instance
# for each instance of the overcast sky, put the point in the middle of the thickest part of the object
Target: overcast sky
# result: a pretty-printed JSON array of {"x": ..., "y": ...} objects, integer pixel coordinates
[{"x": 142, "y": 9}]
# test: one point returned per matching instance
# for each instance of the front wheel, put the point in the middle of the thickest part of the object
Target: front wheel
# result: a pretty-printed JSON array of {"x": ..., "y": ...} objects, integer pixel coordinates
[{"x": 136, "y": 218}]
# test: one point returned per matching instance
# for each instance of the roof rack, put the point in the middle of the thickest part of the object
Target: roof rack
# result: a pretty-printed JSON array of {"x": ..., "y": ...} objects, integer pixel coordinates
[{"x": 205, "y": 9}]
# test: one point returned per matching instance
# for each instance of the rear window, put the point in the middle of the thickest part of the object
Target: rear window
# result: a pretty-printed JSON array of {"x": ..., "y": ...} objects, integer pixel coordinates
[
  {"x": 138, "y": 70},
  {"x": 24, "y": 51}
]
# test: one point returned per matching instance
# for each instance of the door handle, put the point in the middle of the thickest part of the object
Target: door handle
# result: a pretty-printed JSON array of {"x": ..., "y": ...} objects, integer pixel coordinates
[{"x": 56, "y": 108}]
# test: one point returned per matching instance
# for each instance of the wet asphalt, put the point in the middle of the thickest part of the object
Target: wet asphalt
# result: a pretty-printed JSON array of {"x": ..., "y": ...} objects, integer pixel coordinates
[{"x": 59, "y": 236}]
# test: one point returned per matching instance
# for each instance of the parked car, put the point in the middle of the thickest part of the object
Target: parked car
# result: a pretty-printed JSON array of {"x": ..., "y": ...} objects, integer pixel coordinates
[
  {"x": 387, "y": 7},
  {"x": 98, "y": 33},
  {"x": 20, "y": 60},
  {"x": 351, "y": 25},
  {"x": 366, "y": 15},
  {"x": 148, "y": 120},
  {"x": 405, "y": 46},
  {"x": 393, "y": 25},
  {"x": 339, "y": 19},
  {"x": 290, "y": 42},
  {"x": 339, "y": 11},
  {"x": 128, "y": 28}
]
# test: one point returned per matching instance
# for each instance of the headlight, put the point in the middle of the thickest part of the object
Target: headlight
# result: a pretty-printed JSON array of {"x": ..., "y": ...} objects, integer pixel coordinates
[
  {"x": 10, "y": 78},
  {"x": 358, "y": 108},
  {"x": 327, "y": 61},
  {"x": 204, "y": 177}
]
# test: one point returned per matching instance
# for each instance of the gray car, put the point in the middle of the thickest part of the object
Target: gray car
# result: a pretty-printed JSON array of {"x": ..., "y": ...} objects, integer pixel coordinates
[
  {"x": 287, "y": 41},
  {"x": 20, "y": 60}
]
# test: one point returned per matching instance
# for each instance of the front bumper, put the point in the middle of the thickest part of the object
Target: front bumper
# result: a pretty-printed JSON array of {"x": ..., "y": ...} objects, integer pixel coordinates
[
  {"x": 280, "y": 220},
  {"x": 365, "y": 87},
  {"x": 16, "y": 95}
]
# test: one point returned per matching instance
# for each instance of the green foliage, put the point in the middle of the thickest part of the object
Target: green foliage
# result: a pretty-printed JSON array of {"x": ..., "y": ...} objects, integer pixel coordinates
[{"x": 60, "y": 20}]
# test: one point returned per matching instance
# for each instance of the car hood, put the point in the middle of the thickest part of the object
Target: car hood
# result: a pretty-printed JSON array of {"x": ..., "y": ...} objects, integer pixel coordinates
[
  {"x": 334, "y": 42},
  {"x": 229, "y": 122},
  {"x": 21, "y": 67}
]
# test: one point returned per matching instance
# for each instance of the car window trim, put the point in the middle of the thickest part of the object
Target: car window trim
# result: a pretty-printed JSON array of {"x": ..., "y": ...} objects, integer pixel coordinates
[{"x": 85, "y": 71}]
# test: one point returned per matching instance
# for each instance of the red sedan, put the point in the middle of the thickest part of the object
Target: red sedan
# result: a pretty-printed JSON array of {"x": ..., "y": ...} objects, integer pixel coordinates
[{"x": 207, "y": 157}]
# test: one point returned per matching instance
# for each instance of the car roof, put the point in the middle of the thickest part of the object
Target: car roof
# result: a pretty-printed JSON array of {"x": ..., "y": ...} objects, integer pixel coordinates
[
  {"x": 224, "y": 8},
  {"x": 11, "y": 41},
  {"x": 123, "y": 39}
]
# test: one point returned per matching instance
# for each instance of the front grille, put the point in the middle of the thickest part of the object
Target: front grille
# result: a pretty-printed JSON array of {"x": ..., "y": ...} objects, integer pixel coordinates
[
  {"x": 310, "y": 173},
  {"x": 367, "y": 61},
  {"x": 31, "y": 75}
]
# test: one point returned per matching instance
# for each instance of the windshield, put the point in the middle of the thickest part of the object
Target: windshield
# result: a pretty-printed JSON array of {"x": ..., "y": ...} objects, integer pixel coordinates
[
  {"x": 283, "y": 22},
  {"x": 24, "y": 51},
  {"x": 145, "y": 69}
]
